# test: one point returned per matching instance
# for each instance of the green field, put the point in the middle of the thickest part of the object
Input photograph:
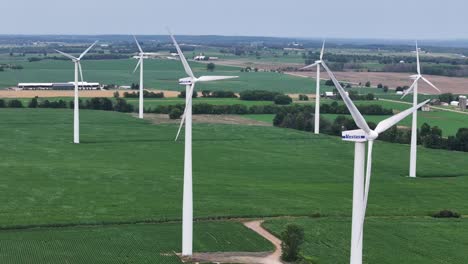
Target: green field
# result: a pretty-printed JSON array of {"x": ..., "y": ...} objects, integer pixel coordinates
[
  {"x": 144, "y": 243},
  {"x": 386, "y": 240},
  {"x": 128, "y": 170}
]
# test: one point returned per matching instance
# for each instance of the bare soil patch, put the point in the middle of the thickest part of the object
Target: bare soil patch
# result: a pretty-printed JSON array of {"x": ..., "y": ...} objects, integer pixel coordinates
[
  {"x": 445, "y": 84},
  {"x": 207, "y": 119}
]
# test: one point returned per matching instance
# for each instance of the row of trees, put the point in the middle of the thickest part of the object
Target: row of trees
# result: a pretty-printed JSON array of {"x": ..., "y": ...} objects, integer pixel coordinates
[
  {"x": 238, "y": 109},
  {"x": 146, "y": 94},
  {"x": 96, "y": 103}
]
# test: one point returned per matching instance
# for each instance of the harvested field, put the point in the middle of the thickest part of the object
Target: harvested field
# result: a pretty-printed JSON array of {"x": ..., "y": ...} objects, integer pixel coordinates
[
  {"x": 445, "y": 84},
  {"x": 206, "y": 119}
]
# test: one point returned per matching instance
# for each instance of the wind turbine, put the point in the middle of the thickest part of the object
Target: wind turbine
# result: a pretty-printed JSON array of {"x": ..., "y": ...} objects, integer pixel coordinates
[
  {"x": 414, "y": 126},
  {"x": 360, "y": 185},
  {"x": 140, "y": 64},
  {"x": 76, "y": 114},
  {"x": 317, "y": 92},
  {"x": 187, "y": 210}
]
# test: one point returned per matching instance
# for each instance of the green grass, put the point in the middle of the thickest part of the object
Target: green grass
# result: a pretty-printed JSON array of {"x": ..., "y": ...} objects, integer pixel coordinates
[
  {"x": 386, "y": 240},
  {"x": 264, "y": 118},
  {"x": 129, "y": 170},
  {"x": 144, "y": 243}
]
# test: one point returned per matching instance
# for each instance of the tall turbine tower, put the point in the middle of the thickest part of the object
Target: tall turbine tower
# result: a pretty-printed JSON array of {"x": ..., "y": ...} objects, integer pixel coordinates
[
  {"x": 187, "y": 210},
  {"x": 142, "y": 56},
  {"x": 317, "y": 92},
  {"x": 76, "y": 113},
  {"x": 361, "y": 185},
  {"x": 414, "y": 126}
]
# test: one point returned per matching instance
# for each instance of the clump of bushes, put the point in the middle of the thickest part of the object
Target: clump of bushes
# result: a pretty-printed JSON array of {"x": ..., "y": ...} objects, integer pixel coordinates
[
  {"x": 303, "y": 97},
  {"x": 15, "y": 103},
  {"x": 258, "y": 95},
  {"x": 282, "y": 99},
  {"x": 175, "y": 113},
  {"x": 446, "y": 214},
  {"x": 146, "y": 94},
  {"x": 291, "y": 240}
]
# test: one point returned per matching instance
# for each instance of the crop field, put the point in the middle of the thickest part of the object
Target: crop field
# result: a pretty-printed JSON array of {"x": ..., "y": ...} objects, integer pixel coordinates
[
  {"x": 456, "y": 85},
  {"x": 128, "y": 171},
  {"x": 159, "y": 74},
  {"x": 140, "y": 243},
  {"x": 386, "y": 240}
]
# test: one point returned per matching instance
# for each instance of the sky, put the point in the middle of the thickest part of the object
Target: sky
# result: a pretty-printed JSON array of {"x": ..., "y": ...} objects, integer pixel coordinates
[{"x": 388, "y": 19}]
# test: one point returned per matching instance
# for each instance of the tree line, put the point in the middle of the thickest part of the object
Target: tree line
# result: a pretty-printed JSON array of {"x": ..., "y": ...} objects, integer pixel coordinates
[
  {"x": 238, "y": 109},
  {"x": 96, "y": 103}
]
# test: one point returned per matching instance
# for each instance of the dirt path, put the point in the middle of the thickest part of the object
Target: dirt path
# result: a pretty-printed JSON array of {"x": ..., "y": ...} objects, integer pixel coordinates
[{"x": 245, "y": 257}]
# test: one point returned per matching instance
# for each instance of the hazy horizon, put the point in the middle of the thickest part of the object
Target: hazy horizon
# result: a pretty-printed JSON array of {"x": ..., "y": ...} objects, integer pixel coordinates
[{"x": 363, "y": 19}]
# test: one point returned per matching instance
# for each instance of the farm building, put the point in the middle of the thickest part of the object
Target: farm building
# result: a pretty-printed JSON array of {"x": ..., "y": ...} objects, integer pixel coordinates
[{"x": 58, "y": 86}]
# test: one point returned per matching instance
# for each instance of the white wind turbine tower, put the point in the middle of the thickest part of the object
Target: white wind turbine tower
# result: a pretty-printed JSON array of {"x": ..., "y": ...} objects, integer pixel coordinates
[
  {"x": 76, "y": 117},
  {"x": 142, "y": 56},
  {"x": 187, "y": 210},
  {"x": 360, "y": 185},
  {"x": 317, "y": 92},
  {"x": 414, "y": 126}
]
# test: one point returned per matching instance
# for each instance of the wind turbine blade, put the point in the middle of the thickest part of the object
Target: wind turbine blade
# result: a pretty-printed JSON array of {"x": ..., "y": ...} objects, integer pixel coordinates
[
  {"x": 180, "y": 126},
  {"x": 66, "y": 55},
  {"x": 187, "y": 68},
  {"x": 215, "y": 78},
  {"x": 189, "y": 99},
  {"x": 138, "y": 65},
  {"x": 417, "y": 59},
  {"x": 358, "y": 118},
  {"x": 87, "y": 50},
  {"x": 323, "y": 48},
  {"x": 309, "y": 66},
  {"x": 391, "y": 121},
  {"x": 410, "y": 89},
  {"x": 138, "y": 44},
  {"x": 428, "y": 82},
  {"x": 81, "y": 73}
]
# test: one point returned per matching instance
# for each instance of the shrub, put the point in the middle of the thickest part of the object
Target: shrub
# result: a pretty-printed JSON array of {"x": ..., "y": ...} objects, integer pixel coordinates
[
  {"x": 175, "y": 113},
  {"x": 33, "y": 103},
  {"x": 122, "y": 106},
  {"x": 303, "y": 97},
  {"x": 258, "y": 95},
  {"x": 291, "y": 240},
  {"x": 15, "y": 103},
  {"x": 368, "y": 84},
  {"x": 210, "y": 66},
  {"x": 282, "y": 99},
  {"x": 446, "y": 214},
  {"x": 2, "y": 103}
]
